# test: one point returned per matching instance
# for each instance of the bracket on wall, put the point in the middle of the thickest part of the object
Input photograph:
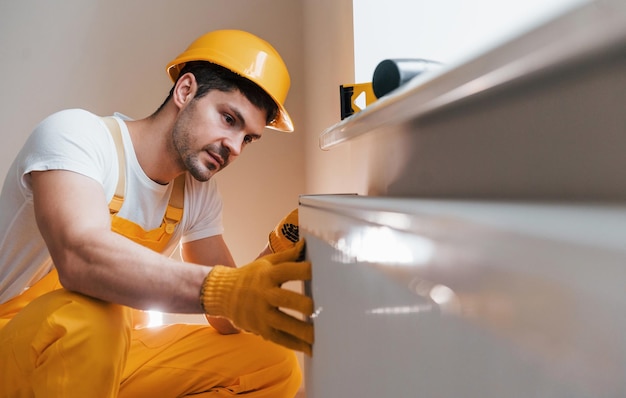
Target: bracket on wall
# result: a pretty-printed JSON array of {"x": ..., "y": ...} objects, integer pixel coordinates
[{"x": 355, "y": 97}]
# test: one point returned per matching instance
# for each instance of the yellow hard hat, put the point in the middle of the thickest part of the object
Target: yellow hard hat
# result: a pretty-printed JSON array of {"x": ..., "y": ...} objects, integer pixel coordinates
[{"x": 248, "y": 56}]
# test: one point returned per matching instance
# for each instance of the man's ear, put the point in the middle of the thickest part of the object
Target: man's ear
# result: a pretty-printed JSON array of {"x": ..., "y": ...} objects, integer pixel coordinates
[{"x": 184, "y": 90}]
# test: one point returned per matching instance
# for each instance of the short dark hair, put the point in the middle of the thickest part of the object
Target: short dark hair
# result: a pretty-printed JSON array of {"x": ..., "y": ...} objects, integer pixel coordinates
[{"x": 210, "y": 76}]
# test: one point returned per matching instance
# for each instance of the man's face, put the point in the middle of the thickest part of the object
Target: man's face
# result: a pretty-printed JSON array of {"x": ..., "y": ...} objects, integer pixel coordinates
[{"x": 211, "y": 132}]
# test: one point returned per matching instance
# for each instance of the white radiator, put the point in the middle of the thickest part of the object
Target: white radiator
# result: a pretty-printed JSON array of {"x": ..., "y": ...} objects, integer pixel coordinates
[{"x": 419, "y": 298}]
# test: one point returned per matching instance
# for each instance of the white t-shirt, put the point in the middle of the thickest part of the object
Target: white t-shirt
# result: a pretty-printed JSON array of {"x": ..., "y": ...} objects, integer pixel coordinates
[{"x": 78, "y": 141}]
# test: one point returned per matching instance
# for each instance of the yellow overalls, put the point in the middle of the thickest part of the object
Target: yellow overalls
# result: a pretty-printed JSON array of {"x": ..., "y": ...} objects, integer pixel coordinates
[{"x": 57, "y": 343}]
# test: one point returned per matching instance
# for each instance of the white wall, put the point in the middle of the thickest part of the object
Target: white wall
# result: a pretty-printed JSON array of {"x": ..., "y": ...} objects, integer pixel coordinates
[
  {"x": 329, "y": 53},
  {"x": 346, "y": 39},
  {"x": 447, "y": 31}
]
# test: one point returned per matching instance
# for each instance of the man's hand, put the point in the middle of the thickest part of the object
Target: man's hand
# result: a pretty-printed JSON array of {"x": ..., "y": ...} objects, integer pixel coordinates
[
  {"x": 286, "y": 233},
  {"x": 251, "y": 296}
]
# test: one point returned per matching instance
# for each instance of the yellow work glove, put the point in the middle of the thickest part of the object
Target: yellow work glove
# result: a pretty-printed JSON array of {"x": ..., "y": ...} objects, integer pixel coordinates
[
  {"x": 251, "y": 297},
  {"x": 285, "y": 234}
]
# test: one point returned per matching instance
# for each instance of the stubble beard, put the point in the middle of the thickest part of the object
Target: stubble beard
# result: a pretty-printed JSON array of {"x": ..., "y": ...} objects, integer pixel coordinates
[
  {"x": 190, "y": 160},
  {"x": 182, "y": 148}
]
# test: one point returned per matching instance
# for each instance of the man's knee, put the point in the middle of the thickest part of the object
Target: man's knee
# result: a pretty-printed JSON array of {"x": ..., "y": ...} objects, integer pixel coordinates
[
  {"x": 81, "y": 322},
  {"x": 90, "y": 324},
  {"x": 286, "y": 368},
  {"x": 294, "y": 379},
  {"x": 62, "y": 330}
]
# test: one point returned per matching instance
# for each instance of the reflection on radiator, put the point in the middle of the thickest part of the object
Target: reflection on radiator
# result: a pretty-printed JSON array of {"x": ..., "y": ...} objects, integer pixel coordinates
[
  {"x": 444, "y": 300},
  {"x": 443, "y": 295},
  {"x": 412, "y": 309},
  {"x": 383, "y": 245}
]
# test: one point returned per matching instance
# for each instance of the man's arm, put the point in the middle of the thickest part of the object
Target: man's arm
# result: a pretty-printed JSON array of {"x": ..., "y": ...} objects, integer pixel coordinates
[
  {"x": 211, "y": 251},
  {"x": 73, "y": 218}
]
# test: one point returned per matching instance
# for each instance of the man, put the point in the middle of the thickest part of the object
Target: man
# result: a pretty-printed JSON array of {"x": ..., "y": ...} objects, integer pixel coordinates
[{"x": 90, "y": 212}]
